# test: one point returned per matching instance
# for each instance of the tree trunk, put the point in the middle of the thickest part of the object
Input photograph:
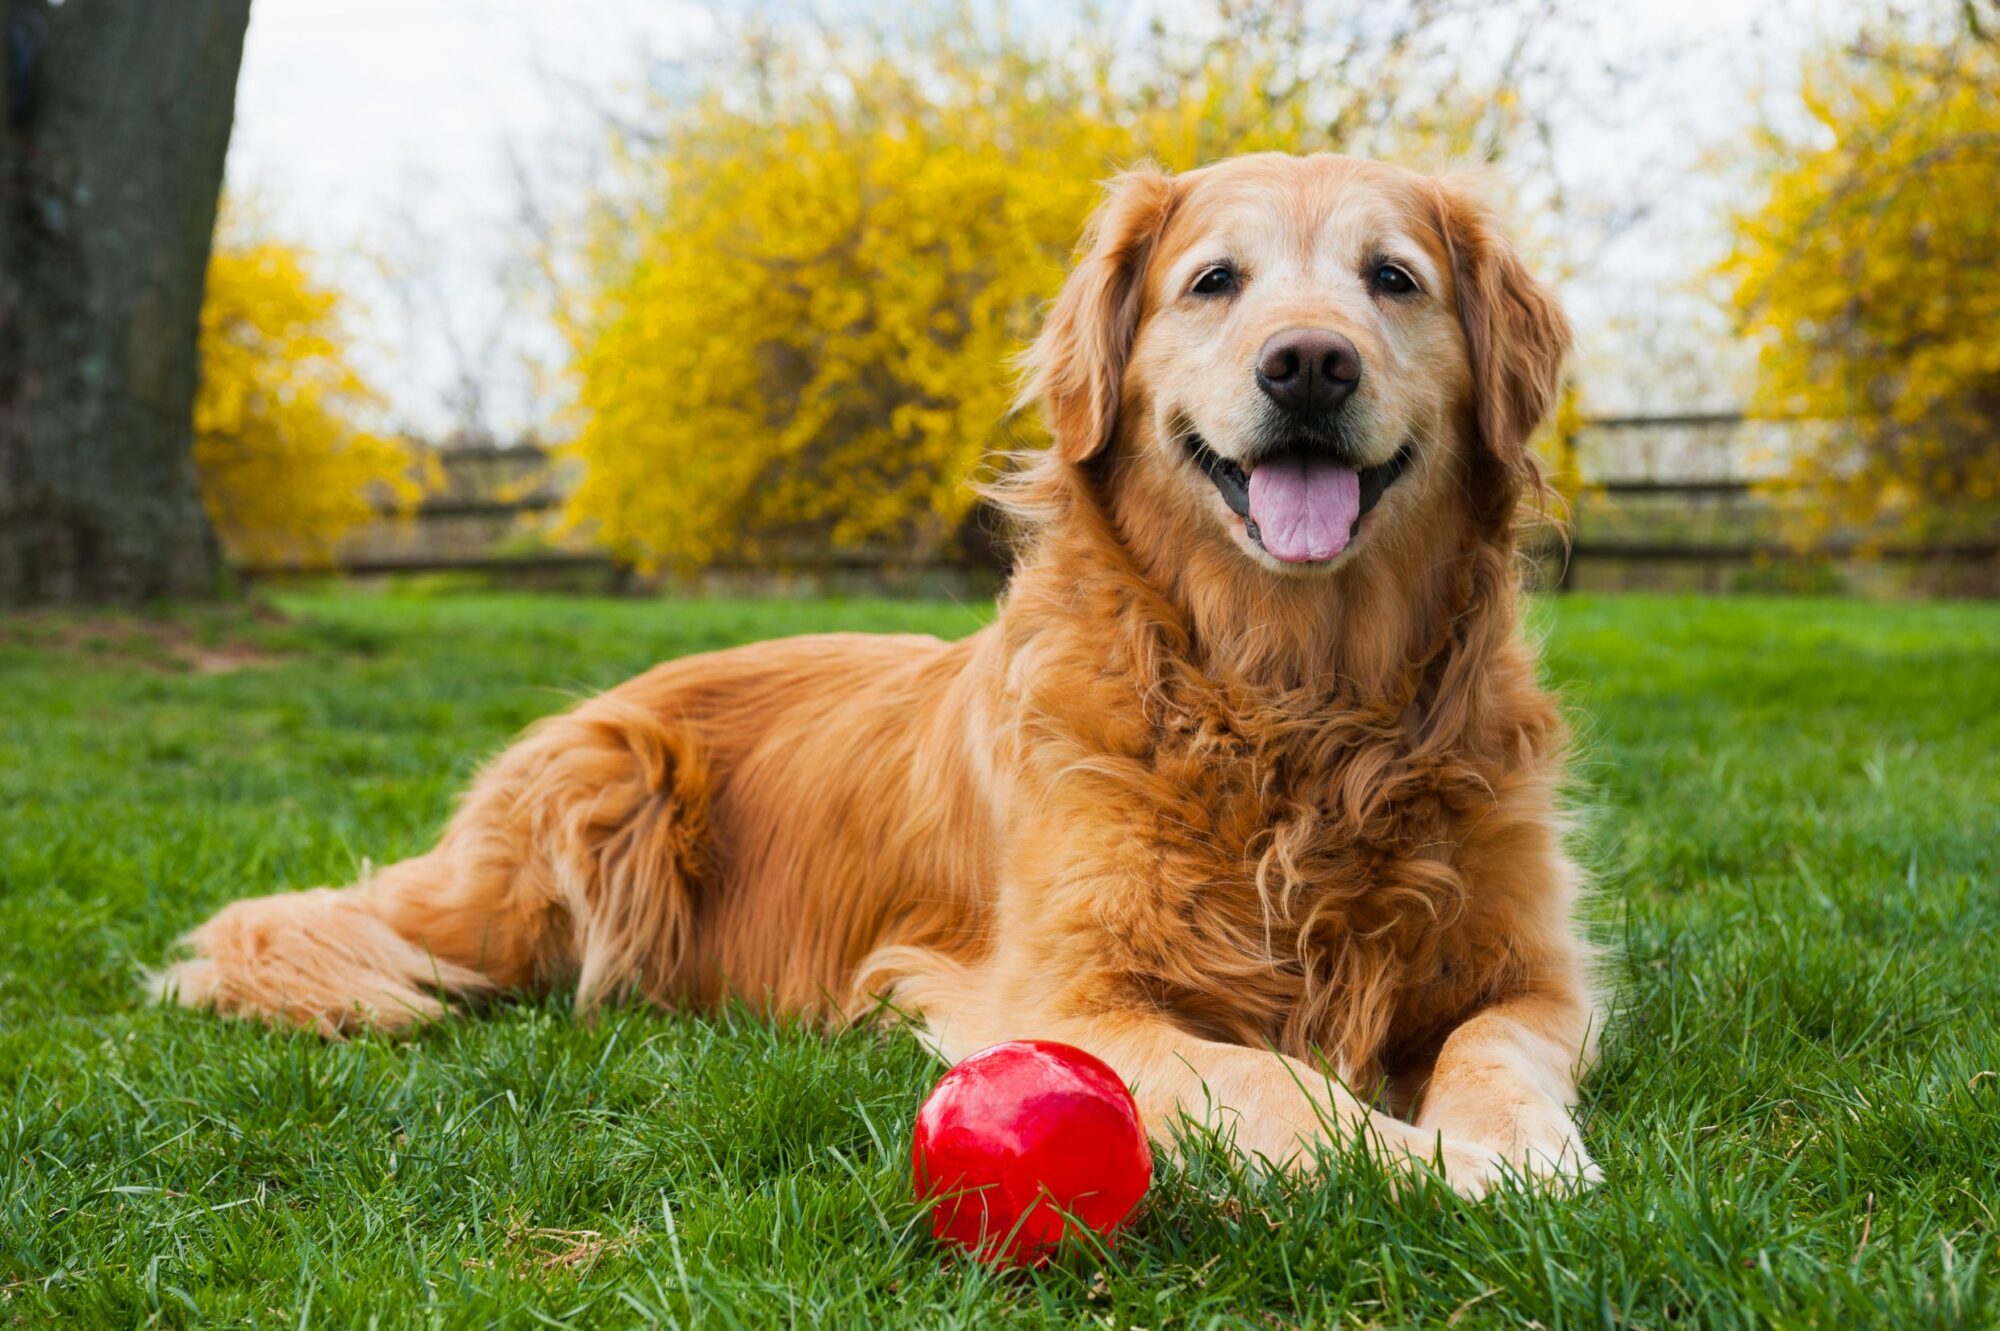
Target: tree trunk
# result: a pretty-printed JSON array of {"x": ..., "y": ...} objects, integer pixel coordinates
[{"x": 117, "y": 117}]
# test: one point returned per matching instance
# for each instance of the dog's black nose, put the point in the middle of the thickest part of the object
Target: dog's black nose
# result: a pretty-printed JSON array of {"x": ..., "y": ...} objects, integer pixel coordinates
[{"x": 1308, "y": 370}]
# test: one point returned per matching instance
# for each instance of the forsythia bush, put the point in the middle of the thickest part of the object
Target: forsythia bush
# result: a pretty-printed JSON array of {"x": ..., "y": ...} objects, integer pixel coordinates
[
  {"x": 805, "y": 338},
  {"x": 1871, "y": 276},
  {"x": 284, "y": 470}
]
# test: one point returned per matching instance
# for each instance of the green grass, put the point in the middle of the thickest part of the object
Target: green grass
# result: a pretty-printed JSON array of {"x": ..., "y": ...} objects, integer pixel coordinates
[{"x": 1790, "y": 805}]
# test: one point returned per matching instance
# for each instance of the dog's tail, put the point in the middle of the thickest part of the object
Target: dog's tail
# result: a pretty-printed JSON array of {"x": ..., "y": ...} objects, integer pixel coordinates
[
  {"x": 574, "y": 857},
  {"x": 324, "y": 959}
]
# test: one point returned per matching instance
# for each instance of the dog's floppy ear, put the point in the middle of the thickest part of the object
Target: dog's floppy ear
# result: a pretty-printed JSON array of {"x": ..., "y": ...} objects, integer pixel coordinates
[
  {"x": 1516, "y": 333},
  {"x": 1076, "y": 368}
]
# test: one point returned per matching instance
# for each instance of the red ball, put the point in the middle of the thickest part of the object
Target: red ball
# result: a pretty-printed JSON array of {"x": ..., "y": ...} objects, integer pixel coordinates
[{"x": 1018, "y": 1136}]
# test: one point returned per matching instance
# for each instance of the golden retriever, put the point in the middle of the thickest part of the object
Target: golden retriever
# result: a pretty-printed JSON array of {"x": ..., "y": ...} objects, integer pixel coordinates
[{"x": 1249, "y": 790}]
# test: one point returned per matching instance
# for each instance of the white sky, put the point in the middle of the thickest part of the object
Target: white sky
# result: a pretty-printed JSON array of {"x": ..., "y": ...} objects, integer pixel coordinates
[{"x": 381, "y": 133}]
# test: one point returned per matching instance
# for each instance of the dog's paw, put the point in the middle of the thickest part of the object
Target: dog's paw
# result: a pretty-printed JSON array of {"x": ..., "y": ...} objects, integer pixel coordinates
[
  {"x": 1475, "y": 1171},
  {"x": 1467, "y": 1168},
  {"x": 1551, "y": 1157},
  {"x": 1537, "y": 1145},
  {"x": 1472, "y": 1171}
]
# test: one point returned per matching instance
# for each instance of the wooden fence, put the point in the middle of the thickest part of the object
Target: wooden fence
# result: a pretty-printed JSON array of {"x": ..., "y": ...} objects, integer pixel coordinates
[
  {"x": 1665, "y": 518},
  {"x": 1649, "y": 514}
]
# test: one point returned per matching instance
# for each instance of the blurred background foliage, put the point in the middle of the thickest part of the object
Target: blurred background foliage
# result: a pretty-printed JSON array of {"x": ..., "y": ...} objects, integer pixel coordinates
[
  {"x": 1869, "y": 278},
  {"x": 790, "y": 309},
  {"x": 286, "y": 465},
  {"x": 803, "y": 336}
]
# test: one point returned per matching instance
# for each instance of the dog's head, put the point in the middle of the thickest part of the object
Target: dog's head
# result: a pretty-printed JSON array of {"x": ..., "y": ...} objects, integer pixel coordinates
[{"x": 1294, "y": 354}]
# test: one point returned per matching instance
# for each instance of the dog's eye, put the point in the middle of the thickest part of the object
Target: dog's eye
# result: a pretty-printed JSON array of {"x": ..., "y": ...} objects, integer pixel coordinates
[
  {"x": 1217, "y": 281},
  {"x": 1391, "y": 280}
]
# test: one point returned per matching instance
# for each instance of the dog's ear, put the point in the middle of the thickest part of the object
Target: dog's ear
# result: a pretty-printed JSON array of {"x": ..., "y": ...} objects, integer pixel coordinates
[
  {"x": 1076, "y": 368},
  {"x": 1516, "y": 333}
]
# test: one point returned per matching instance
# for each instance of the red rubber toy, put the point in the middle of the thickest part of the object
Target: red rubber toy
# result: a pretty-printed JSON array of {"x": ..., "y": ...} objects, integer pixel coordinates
[{"x": 1021, "y": 1135}]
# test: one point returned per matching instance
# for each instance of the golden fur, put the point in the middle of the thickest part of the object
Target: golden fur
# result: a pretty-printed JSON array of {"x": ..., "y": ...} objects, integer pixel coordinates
[{"x": 1281, "y": 845}]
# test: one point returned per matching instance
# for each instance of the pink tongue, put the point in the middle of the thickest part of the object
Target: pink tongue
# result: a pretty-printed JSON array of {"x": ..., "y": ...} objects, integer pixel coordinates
[{"x": 1304, "y": 506}]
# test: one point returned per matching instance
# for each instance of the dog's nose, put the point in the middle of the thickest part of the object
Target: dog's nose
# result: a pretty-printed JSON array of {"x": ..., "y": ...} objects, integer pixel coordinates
[{"x": 1308, "y": 370}]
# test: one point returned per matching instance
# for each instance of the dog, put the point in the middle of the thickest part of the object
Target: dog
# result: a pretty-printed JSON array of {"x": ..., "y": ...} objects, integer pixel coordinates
[{"x": 1249, "y": 789}]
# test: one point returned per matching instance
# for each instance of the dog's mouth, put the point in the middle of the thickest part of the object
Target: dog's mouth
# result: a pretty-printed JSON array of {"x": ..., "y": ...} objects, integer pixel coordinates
[{"x": 1297, "y": 503}]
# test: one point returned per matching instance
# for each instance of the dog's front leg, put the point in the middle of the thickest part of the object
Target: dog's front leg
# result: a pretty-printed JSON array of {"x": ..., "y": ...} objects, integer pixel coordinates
[
  {"x": 1506, "y": 1080},
  {"x": 1271, "y": 1107}
]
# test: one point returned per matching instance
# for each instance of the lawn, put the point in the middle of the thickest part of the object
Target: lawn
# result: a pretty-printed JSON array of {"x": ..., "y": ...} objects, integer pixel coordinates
[{"x": 1791, "y": 808}]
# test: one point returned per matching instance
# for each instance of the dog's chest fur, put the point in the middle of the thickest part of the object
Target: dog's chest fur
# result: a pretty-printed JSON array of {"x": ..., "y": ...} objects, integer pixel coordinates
[{"x": 1292, "y": 873}]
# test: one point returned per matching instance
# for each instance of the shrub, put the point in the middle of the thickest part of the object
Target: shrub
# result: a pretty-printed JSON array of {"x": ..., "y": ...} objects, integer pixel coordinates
[
  {"x": 285, "y": 469},
  {"x": 802, "y": 337},
  {"x": 1870, "y": 276}
]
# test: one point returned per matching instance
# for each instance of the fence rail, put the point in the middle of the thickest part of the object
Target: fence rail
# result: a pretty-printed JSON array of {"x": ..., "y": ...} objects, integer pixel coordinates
[
  {"x": 1696, "y": 552},
  {"x": 366, "y": 566},
  {"x": 493, "y": 492},
  {"x": 1666, "y": 421}
]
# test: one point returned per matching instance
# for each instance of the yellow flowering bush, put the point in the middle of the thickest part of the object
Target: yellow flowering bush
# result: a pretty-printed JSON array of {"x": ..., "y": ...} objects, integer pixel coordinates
[
  {"x": 285, "y": 471},
  {"x": 804, "y": 339},
  {"x": 1870, "y": 276}
]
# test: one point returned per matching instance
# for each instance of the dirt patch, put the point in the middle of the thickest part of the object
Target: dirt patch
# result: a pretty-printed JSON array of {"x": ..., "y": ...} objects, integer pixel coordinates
[
  {"x": 211, "y": 644},
  {"x": 544, "y": 1250}
]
